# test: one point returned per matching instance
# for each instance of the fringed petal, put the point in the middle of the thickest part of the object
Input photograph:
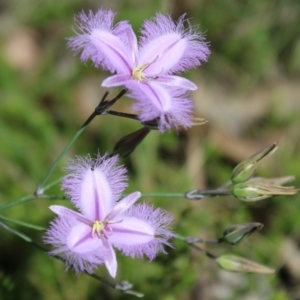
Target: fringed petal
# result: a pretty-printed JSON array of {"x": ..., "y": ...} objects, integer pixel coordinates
[
  {"x": 123, "y": 205},
  {"x": 57, "y": 236},
  {"x": 99, "y": 41},
  {"x": 111, "y": 262},
  {"x": 94, "y": 185},
  {"x": 170, "y": 106},
  {"x": 150, "y": 234},
  {"x": 177, "y": 49}
]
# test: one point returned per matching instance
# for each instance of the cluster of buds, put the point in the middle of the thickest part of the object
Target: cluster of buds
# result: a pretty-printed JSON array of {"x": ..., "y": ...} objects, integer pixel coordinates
[
  {"x": 233, "y": 235},
  {"x": 249, "y": 188},
  {"x": 245, "y": 187}
]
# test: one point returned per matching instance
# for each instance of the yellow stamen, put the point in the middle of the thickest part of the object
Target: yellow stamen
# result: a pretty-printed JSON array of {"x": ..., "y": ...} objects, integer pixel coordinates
[
  {"x": 137, "y": 72},
  {"x": 98, "y": 227}
]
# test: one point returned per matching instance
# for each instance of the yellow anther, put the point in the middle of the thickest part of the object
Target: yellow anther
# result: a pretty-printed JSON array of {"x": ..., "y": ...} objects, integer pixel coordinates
[
  {"x": 98, "y": 227},
  {"x": 137, "y": 73}
]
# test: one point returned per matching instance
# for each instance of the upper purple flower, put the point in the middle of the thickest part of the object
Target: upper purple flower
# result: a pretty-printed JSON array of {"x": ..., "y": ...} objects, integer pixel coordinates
[
  {"x": 86, "y": 239},
  {"x": 145, "y": 68}
]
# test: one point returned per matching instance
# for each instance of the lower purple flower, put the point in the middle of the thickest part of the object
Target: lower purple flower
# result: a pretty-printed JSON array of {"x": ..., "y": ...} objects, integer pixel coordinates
[{"x": 87, "y": 239}]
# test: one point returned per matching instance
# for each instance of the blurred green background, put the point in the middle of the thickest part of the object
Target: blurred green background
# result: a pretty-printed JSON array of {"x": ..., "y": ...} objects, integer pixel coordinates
[{"x": 249, "y": 91}]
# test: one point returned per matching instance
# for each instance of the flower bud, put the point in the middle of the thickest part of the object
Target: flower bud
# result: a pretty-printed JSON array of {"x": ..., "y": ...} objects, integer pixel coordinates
[
  {"x": 126, "y": 145},
  {"x": 255, "y": 190},
  {"x": 239, "y": 264},
  {"x": 274, "y": 181},
  {"x": 235, "y": 233},
  {"x": 199, "y": 121},
  {"x": 246, "y": 169}
]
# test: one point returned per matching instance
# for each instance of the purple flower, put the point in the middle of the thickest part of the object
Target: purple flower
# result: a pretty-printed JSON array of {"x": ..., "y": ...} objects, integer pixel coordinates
[
  {"x": 145, "y": 68},
  {"x": 86, "y": 239}
]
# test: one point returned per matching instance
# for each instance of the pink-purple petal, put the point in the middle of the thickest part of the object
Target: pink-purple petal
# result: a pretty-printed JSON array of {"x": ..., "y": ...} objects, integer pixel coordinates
[
  {"x": 83, "y": 191},
  {"x": 65, "y": 212},
  {"x": 114, "y": 53},
  {"x": 177, "y": 81},
  {"x": 57, "y": 235},
  {"x": 192, "y": 41},
  {"x": 126, "y": 34},
  {"x": 162, "y": 53},
  {"x": 102, "y": 43},
  {"x": 116, "y": 80},
  {"x": 111, "y": 262},
  {"x": 131, "y": 231},
  {"x": 123, "y": 205},
  {"x": 156, "y": 219},
  {"x": 169, "y": 105},
  {"x": 153, "y": 93},
  {"x": 96, "y": 199},
  {"x": 80, "y": 239}
]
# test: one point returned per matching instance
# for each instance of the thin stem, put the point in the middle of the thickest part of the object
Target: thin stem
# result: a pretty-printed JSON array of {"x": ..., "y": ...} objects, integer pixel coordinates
[
  {"x": 102, "y": 108},
  {"x": 39, "y": 189},
  {"x": 200, "y": 194},
  {"x": 16, "y": 232},
  {"x": 206, "y": 253},
  {"x": 101, "y": 279},
  {"x": 152, "y": 124},
  {"x": 193, "y": 194},
  {"x": 18, "y": 201},
  {"x": 192, "y": 240},
  {"x": 22, "y": 223},
  {"x": 174, "y": 195},
  {"x": 29, "y": 198},
  {"x": 226, "y": 184},
  {"x": 53, "y": 197},
  {"x": 121, "y": 114},
  {"x": 48, "y": 186},
  {"x": 99, "y": 110}
]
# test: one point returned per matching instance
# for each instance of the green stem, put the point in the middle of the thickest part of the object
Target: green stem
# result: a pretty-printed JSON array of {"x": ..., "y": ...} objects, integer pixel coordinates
[
  {"x": 101, "y": 109},
  {"x": 29, "y": 198},
  {"x": 16, "y": 232},
  {"x": 207, "y": 254},
  {"x": 40, "y": 190},
  {"x": 22, "y": 223},
  {"x": 200, "y": 194},
  {"x": 192, "y": 240},
  {"x": 192, "y": 194},
  {"x": 174, "y": 195},
  {"x": 226, "y": 184},
  {"x": 18, "y": 201},
  {"x": 48, "y": 186}
]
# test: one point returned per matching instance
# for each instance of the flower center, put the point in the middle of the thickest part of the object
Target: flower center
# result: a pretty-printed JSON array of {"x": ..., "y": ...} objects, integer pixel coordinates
[
  {"x": 98, "y": 227},
  {"x": 137, "y": 72}
]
